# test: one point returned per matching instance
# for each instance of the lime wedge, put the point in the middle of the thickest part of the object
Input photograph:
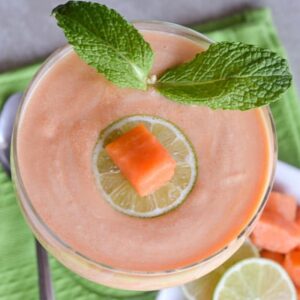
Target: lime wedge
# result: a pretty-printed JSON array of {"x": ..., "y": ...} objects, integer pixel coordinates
[
  {"x": 203, "y": 288},
  {"x": 119, "y": 192},
  {"x": 255, "y": 279}
]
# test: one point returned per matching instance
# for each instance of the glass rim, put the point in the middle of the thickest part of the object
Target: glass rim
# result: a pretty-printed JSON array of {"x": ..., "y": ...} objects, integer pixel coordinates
[{"x": 24, "y": 199}]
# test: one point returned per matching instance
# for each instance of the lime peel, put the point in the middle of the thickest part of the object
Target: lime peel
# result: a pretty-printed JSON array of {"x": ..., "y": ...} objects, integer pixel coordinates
[
  {"x": 203, "y": 288},
  {"x": 271, "y": 275},
  {"x": 119, "y": 192}
]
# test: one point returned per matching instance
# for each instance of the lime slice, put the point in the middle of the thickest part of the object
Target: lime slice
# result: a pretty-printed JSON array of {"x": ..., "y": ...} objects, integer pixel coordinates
[
  {"x": 255, "y": 279},
  {"x": 203, "y": 288},
  {"x": 119, "y": 192}
]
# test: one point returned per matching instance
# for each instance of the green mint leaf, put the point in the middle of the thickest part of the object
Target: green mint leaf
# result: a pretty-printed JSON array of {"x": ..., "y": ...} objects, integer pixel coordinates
[
  {"x": 107, "y": 42},
  {"x": 228, "y": 76}
]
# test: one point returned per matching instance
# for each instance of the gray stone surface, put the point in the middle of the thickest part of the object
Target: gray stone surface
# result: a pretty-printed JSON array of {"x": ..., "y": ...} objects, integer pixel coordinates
[{"x": 28, "y": 33}]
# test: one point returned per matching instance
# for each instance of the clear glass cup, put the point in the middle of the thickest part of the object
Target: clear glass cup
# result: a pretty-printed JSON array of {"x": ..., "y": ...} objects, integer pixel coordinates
[{"x": 104, "y": 274}]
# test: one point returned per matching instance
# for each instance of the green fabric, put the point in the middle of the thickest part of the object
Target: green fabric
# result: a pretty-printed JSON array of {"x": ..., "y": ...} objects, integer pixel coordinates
[{"x": 18, "y": 278}]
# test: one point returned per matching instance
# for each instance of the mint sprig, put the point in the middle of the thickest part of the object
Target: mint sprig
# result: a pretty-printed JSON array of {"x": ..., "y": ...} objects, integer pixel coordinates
[
  {"x": 107, "y": 42},
  {"x": 228, "y": 76}
]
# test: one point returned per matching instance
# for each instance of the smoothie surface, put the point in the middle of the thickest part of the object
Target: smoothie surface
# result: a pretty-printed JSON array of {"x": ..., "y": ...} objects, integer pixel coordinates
[{"x": 58, "y": 131}]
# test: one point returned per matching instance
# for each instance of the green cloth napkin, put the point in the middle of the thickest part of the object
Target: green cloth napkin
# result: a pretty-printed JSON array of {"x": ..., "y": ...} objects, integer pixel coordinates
[{"x": 18, "y": 277}]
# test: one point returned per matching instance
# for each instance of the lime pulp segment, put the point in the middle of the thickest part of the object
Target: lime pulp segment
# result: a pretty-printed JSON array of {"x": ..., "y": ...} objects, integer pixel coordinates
[{"x": 255, "y": 279}]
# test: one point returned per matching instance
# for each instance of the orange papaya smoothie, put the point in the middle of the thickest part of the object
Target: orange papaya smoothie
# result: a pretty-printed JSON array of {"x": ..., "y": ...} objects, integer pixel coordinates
[{"x": 66, "y": 108}]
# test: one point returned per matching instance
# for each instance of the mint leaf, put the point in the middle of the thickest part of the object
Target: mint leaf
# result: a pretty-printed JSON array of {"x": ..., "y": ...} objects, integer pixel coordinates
[
  {"x": 107, "y": 42},
  {"x": 228, "y": 76}
]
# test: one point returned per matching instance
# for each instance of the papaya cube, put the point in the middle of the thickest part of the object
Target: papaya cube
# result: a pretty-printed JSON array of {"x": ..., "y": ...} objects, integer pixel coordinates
[
  {"x": 276, "y": 234},
  {"x": 292, "y": 266},
  {"x": 142, "y": 160},
  {"x": 283, "y": 204},
  {"x": 277, "y": 257},
  {"x": 298, "y": 217}
]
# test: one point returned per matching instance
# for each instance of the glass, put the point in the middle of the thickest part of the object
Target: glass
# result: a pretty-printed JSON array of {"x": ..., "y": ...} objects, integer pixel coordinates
[{"x": 105, "y": 274}]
